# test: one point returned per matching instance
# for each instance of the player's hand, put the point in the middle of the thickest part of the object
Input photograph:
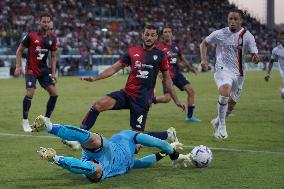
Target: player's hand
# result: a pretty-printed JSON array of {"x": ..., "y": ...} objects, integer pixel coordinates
[
  {"x": 87, "y": 78},
  {"x": 267, "y": 77},
  {"x": 53, "y": 77},
  {"x": 204, "y": 64},
  {"x": 182, "y": 161},
  {"x": 17, "y": 72},
  {"x": 255, "y": 58},
  {"x": 177, "y": 145},
  {"x": 180, "y": 105}
]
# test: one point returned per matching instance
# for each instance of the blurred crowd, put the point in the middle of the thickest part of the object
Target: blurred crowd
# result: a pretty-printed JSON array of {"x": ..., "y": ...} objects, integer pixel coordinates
[{"x": 110, "y": 26}]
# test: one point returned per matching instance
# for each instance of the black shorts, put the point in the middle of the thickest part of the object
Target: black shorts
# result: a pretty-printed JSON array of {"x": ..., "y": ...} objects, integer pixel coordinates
[
  {"x": 138, "y": 112},
  {"x": 44, "y": 81},
  {"x": 179, "y": 81}
]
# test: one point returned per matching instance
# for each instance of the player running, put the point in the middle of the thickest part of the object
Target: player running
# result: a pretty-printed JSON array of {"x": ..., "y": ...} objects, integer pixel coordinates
[
  {"x": 104, "y": 158},
  {"x": 39, "y": 43},
  {"x": 232, "y": 43},
  {"x": 176, "y": 57},
  {"x": 278, "y": 55}
]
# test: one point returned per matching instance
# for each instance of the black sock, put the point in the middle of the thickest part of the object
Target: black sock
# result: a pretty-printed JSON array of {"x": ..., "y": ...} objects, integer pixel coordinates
[
  {"x": 160, "y": 155},
  {"x": 190, "y": 110},
  {"x": 174, "y": 155},
  {"x": 154, "y": 100},
  {"x": 160, "y": 135},
  {"x": 27, "y": 101},
  {"x": 50, "y": 105},
  {"x": 90, "y": 118}
]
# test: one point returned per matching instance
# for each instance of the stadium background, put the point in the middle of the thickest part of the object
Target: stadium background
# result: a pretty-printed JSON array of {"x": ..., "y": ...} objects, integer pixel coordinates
[
  {"x": 113, "y": 26},
  {"x": 252, "y": 157}
]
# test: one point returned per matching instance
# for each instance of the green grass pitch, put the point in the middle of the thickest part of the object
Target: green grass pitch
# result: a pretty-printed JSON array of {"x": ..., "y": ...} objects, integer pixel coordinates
[{"x": 257, "y": 128}]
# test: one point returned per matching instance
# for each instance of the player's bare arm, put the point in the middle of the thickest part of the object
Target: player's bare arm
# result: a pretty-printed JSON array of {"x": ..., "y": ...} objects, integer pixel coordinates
[
  {"x": 53, "y": 64},
  {"x": 168, "y": 82},
  {"x": 106, "y": 73},
  {"x": 187, "y": 64},
  {"x": 19, "y": 54},
  {"x": 255, "y": 58},
  {"x": 267, "y": 77},
  {"x": 203, "y": 54}
]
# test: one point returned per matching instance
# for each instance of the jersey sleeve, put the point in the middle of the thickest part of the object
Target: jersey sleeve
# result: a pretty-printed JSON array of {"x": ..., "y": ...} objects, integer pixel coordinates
[
  {"x": 251, "y": 44},
  {"x": 54, "y": 44},
  {"x": 26, "y": 40},
  {"x": 274, "y": 55},
  {"x": 125, "y": 60},
  {"x": 212, "y": 38},
  {"x": 165, "y": 63}
]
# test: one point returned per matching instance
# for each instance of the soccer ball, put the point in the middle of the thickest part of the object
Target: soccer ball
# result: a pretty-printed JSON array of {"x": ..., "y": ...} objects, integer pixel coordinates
[
  {"x": 201, "y": 156},
  {"x": 282, "y": 93}
]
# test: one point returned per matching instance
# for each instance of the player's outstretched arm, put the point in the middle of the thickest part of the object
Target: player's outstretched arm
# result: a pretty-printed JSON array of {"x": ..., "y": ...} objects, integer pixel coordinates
[
  {"x": 203, "y": 54},
  {"x": 187, "y": 64},
  {"x": 267, "y": 77},
  {"x": 168, "y": 82},
  {"x": 106, "y": 73},
  {"x": 19, "y": 54}
]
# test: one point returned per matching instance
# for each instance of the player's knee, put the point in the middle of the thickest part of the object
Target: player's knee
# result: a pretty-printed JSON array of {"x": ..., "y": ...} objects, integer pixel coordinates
[{"x": 104, "y": 103}]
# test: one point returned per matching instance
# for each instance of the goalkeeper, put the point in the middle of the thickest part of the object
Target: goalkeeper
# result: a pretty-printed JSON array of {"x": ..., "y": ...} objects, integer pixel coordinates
[{"x": 104, "y": 158}]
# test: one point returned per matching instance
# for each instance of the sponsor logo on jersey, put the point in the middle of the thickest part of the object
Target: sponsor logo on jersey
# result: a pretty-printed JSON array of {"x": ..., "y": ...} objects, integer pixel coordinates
[
  {"x": 142, "y": 74},
  {"x": 139, "y": 65},
  {"x": 155, "y": 57}
]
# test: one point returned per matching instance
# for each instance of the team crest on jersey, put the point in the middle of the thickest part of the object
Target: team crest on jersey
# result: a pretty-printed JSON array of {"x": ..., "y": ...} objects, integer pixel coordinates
[
  {"x": 155, "y": 57},
  {"x": 50, "y": 42}
]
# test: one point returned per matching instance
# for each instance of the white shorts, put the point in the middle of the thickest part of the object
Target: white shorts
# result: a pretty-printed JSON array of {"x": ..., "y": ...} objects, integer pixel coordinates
[
  {"x": 223, "y": 77},
  {"x": 281, "y": 70}
]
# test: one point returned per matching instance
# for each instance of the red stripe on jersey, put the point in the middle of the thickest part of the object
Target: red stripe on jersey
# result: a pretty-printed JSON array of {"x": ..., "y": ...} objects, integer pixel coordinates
[{"x": 240, "y": 52}]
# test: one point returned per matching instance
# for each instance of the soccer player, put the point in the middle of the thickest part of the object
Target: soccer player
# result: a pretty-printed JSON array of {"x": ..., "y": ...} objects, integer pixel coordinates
[
  {"x": 277, "y": 55},
  {"x": 176, "y": 57},
  {"x": 232, "y": 43},
  {"x": 104, "y": 158},
  {"x": 39, "y": 43},
  {"x": 145, "y": 61}
]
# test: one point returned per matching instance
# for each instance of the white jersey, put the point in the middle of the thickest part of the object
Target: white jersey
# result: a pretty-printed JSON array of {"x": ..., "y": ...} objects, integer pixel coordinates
[
  {"x": 278, "y": 55},
  {"x": 227, "y": 55}
]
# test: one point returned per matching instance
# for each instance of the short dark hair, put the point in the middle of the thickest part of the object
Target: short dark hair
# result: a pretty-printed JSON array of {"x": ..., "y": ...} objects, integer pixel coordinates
[
  {"x": 45, "y": 14},
  {"x": 164, "y": 27},
  {"x": 239, "y": 11},
  {"x": 150, "y": 27}
]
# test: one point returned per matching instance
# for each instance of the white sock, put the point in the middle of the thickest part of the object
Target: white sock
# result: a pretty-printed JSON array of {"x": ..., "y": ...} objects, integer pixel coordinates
[{"x": 222, "y": 107}]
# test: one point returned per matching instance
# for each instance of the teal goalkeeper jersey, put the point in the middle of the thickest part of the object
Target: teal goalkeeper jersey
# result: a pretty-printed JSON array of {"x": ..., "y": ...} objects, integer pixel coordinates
[{"x": 116, "y": 156}]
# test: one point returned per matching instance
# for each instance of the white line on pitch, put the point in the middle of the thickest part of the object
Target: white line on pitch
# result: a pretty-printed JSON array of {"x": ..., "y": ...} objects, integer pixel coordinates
[{"x": 186, "y": 146}]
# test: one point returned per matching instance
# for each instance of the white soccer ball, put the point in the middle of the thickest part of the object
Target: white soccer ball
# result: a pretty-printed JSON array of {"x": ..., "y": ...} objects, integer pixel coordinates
[
  {"x": 282, "y": 93},
  {"x": 201, "y": 156}
]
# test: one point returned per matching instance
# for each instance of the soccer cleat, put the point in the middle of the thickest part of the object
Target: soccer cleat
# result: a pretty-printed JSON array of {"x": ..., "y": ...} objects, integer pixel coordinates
[
  {"x": 193, "y": 119},
  {"x": 40, "y": 123},
  {"x": 75, "y": 145},
  {"x": 182, "y": 161},
  {"x": 26, "y": 126},
  {"x": 46, "y": 153},
  {"x": 172, "y": 135},
  {"x": 223, "y": 132},
  {"x": 215, "y": 124}
]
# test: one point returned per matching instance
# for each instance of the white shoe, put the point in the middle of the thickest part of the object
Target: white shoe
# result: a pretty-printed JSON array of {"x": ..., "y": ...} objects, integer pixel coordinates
[
  {"x": 215, "y": 124},
  {"x": 172, "y": 135},
  {"x": 72, "y": 144},
  {"x": 26, "y": 126},
  {"x": 223, "y": 131}
]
